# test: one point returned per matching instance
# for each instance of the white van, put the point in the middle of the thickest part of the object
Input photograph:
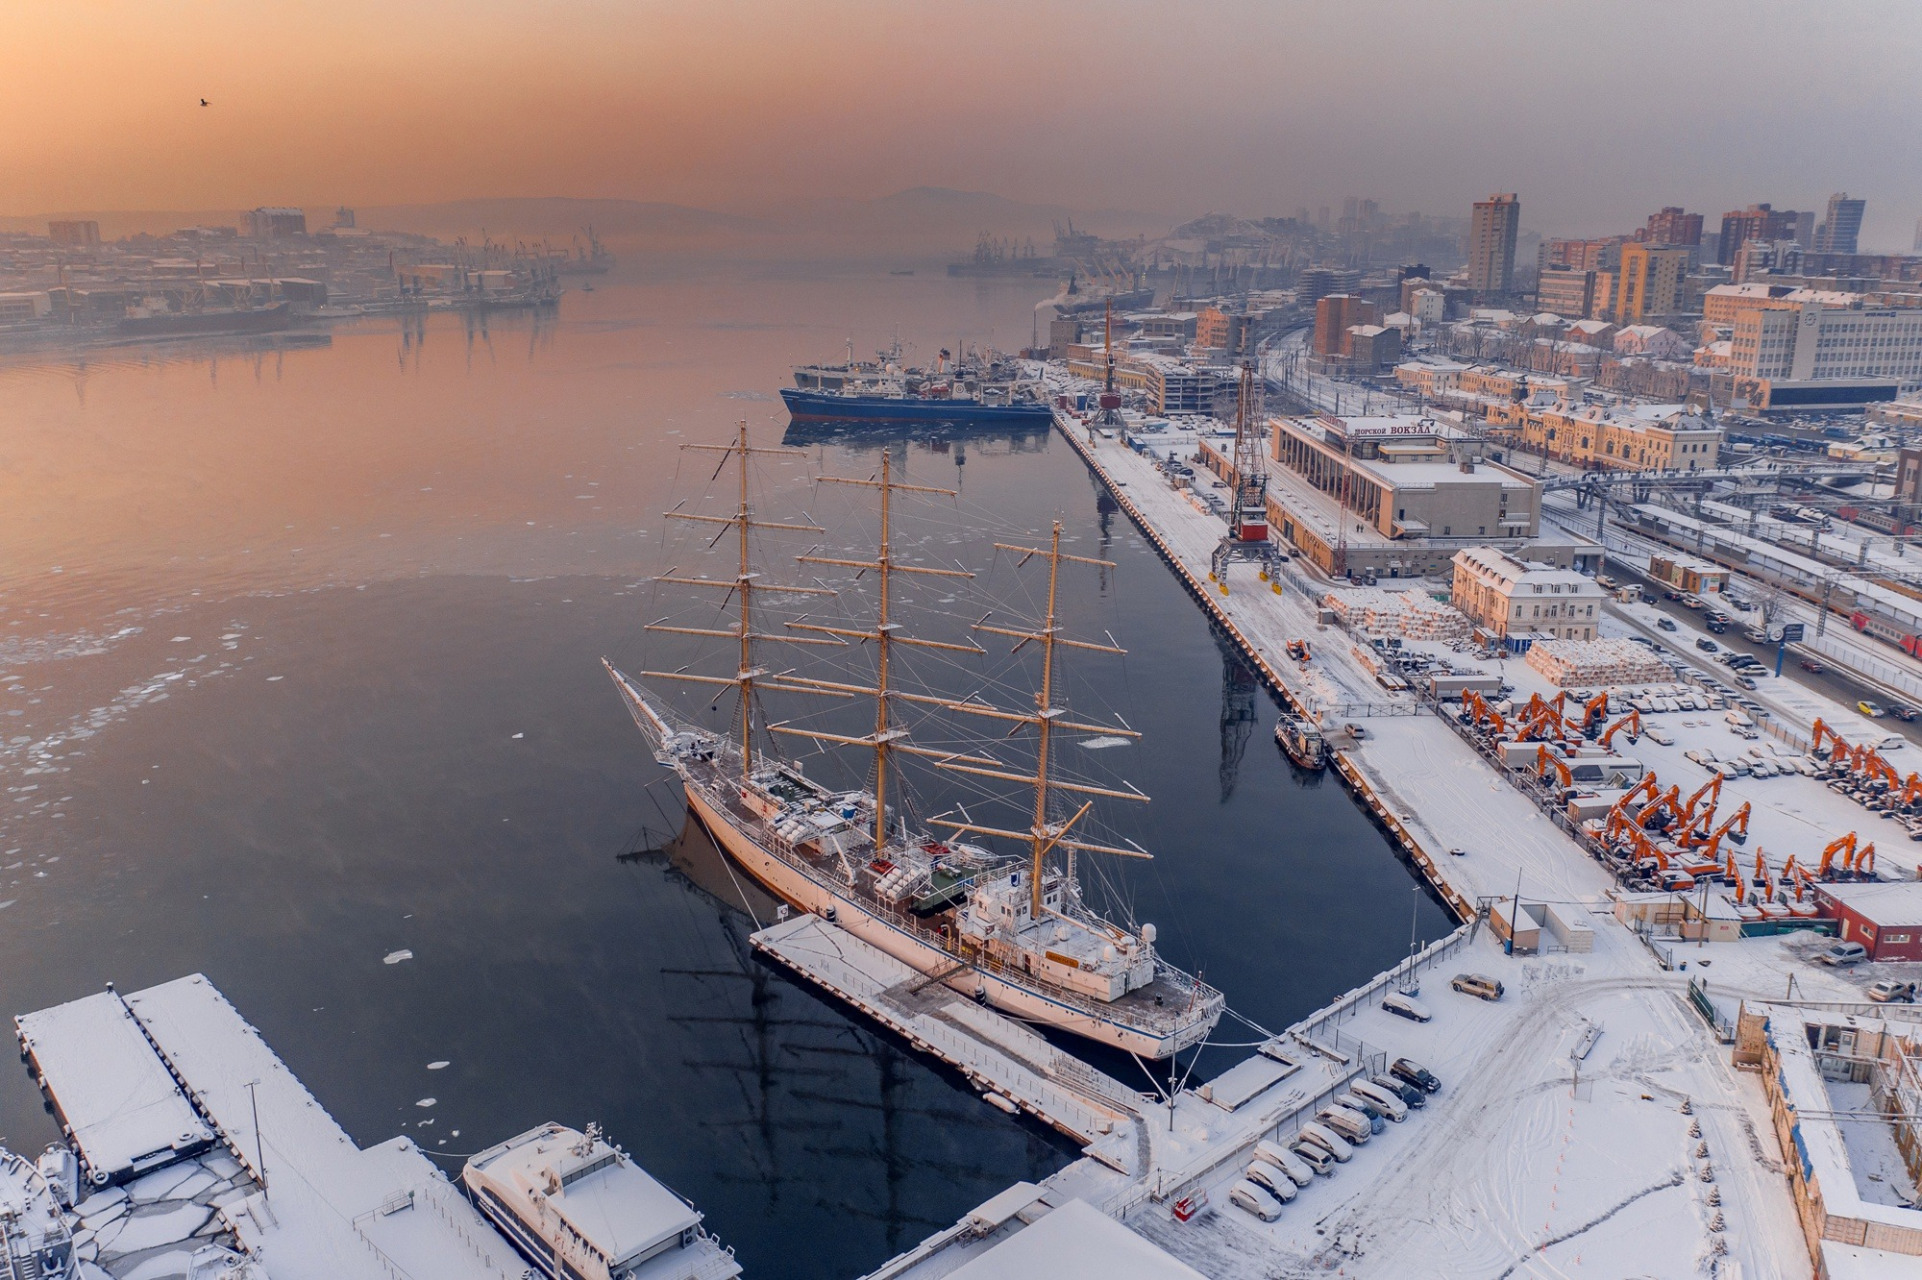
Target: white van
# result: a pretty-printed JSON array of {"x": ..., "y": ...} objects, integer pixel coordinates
[
  {"x": 1352, "y": 1125},
  {"x": 1246, "y": 1196},
  {"x": 1272, "y": 1180},
  {"x": 1376, "y": 1116},
  {"x": 1328, "y": 1140},
  {"x": 1384, "y": 1101},
  {"x": 1286, "y": 1161}
]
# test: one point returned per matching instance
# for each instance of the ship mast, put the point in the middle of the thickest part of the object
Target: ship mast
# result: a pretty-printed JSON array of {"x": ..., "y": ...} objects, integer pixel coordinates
[
  {"x": 1044, "y": 836},
  {"x": 887, "y": 737},
  {"x": 744, "y": 584}
]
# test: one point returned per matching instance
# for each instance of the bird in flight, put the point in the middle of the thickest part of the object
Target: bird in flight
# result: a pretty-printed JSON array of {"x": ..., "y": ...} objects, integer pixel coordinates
[{"x": 203, "y": 102}]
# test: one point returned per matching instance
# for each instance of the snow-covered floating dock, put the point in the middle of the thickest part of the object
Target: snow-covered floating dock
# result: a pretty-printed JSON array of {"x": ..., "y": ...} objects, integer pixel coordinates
[{"x": 158, "y": 1092}]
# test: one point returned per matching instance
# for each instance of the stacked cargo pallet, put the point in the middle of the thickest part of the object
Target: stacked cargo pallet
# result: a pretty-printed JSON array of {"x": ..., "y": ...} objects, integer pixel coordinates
[
  {"x": 1596, "y": 663},
  {"x": 1412, "y": 615}
]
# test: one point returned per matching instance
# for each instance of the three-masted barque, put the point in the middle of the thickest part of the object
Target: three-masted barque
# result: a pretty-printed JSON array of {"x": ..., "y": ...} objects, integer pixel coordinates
[{"x": 1010, "y": 929}]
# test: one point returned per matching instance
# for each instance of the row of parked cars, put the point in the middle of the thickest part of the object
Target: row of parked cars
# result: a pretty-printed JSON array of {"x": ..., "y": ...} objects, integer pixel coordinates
[{"x": 1279, "y": 1170}]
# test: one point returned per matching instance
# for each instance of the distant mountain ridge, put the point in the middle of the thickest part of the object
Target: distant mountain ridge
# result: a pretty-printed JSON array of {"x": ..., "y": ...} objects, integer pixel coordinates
[{"x": 921, "y": 220}]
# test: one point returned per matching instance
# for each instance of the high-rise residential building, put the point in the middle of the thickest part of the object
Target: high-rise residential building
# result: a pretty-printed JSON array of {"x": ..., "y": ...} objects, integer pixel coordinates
[
  {"x": 1672, "y": 226},
  {"x": 1334, "y": 315},
  {"x": 1491, "y": 244},
  {"x": 1758, "y": 222},
  {"x": 75, "y": 235},
  {"x": 1651, "y": 281},
  {"x": 1569, "y": 292},
  {"x": 1839, "y": 230}
]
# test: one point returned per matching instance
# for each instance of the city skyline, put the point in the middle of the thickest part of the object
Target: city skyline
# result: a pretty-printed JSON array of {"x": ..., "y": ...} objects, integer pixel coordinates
[{"x": 774, "y": 104}]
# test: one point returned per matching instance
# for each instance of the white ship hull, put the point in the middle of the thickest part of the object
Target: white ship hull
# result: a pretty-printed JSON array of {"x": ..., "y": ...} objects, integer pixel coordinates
[{"x": 808, "y": 894}]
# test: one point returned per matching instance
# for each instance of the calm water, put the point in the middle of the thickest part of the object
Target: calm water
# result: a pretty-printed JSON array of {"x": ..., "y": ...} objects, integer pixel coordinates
[{"x": 299, "y": 667}]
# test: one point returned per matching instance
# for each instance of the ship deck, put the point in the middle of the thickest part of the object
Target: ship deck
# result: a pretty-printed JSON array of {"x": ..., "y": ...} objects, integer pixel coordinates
[{"x": 1164, "y": 1007}]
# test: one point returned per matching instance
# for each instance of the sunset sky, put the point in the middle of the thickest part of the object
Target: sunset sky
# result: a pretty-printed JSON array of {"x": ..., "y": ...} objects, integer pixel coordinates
[{"x": 1596, "y": 112}]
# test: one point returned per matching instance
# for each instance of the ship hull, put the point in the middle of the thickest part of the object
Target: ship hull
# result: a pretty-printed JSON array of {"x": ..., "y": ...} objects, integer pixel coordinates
[
  {"x": 808, "y": 406},
  {"x": 808, "y": 894}
]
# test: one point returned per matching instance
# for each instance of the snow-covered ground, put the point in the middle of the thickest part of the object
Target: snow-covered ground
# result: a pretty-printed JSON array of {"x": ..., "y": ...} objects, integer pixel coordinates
[{"x": 1527, "y": 1164}]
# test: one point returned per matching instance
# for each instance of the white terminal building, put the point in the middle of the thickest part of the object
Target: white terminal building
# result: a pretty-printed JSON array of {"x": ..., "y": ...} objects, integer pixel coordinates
[{"x": 1505, "y": 596}]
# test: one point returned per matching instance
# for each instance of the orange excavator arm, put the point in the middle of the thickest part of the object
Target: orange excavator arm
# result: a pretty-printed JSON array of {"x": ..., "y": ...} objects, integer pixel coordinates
[
  {"x": 1734, "y": 874},
  {"x": 1667, "y": 800},
  {"x": 1595, "y": 710},
  {"x": 1632, "y": 723},
  {"x": 1544, "y": 762},
  {"x": 1711, "y": 791},
  {"x": 1844, "y": 845}
]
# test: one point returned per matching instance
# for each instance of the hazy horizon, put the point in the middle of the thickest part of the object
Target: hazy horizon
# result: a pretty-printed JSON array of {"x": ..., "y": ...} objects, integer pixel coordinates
[{"x": 1596, "y": 116}]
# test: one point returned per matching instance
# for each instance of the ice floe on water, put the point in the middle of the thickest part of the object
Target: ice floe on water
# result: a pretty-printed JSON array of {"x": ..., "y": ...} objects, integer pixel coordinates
[
  {"x": 438, "y": 1066},
  {"x": 427, "y": 1102},
  {"x": 395, "y": 957}
]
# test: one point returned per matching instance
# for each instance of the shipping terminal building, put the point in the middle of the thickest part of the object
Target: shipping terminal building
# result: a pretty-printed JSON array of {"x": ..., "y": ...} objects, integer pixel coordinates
[{"x": 1397, "y": 496}]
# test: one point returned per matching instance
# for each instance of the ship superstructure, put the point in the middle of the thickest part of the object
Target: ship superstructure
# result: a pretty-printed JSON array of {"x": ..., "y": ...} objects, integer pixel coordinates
[
  {"x": 579, "y": 1208},
  {"x": 1011, "y": 930},
  {"x": 36, "y": 1242},
  {"x": 971, "y": 387}
]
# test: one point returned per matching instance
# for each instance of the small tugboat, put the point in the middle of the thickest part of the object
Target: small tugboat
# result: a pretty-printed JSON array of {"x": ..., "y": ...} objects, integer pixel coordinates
[
  {"x": 580, "y": 1209},
  {"x": 1301, "y": 740}
]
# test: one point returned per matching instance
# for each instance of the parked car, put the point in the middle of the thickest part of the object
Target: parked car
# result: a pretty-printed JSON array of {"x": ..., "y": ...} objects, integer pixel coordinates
[
  {"x": 1272, "y": 1180},
  {"x": 1386, "y": 1100},
  {"x": 1313, "y": 1154},
  {"x": 1414, "y": 1073},
  {"x": 1843, "y": 953},
  {"x": 1666, "y": 624},
  {"x": 1871, "y": 709},
  {"x": 1890, "y": 990},
  {"x": 1478, "y": 985},
  {"x": 1354, "y": 1126},
  {"x": 1810, "y": 664},
  {"x": 1407, "y": 1092},
  {"x": 1405, "y": 1007},
  {"x": 1285, "y": 1160},
  {"x": 1376, "y": 1116},
  {"x": 1707, "y": 645},
  {"x": 1746, "y": 683},
  {"x": 1248, "y": 1197},
  {"x": 1328, "y": 1140}
]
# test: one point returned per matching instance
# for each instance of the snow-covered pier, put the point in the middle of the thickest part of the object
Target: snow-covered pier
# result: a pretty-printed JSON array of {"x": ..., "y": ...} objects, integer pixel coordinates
[
  {"x": 1013, "y": 1066},
  {"x": 202, "y": 1154}
]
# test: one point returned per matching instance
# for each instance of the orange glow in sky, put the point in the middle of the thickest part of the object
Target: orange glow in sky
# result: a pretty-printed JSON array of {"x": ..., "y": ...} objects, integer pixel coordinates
[{"x": 1257, "y": 107}]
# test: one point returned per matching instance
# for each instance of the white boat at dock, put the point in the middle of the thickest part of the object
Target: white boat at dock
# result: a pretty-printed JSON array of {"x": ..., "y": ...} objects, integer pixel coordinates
[
  {"x": 579, "y": 1208},
  {"x": 1012, "y": 932}
]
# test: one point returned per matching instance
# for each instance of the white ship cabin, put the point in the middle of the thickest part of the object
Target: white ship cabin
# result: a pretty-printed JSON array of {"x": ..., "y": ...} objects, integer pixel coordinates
[
  {"x": 1091, "y": 957},
  {"x": 580, "y": 1209}
]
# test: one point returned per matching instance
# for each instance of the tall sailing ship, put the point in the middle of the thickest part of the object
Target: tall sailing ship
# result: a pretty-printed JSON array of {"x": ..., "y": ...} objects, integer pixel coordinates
[{"x": 1009, "y": 929}]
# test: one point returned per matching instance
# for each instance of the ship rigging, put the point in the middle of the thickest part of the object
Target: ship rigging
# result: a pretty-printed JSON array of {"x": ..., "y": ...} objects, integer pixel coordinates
[{"x": 1013, "y": 932}]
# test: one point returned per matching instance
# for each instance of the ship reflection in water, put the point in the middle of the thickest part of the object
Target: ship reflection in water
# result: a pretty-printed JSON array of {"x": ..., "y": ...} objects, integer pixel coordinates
[{"x": 831, "y": 1113}]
